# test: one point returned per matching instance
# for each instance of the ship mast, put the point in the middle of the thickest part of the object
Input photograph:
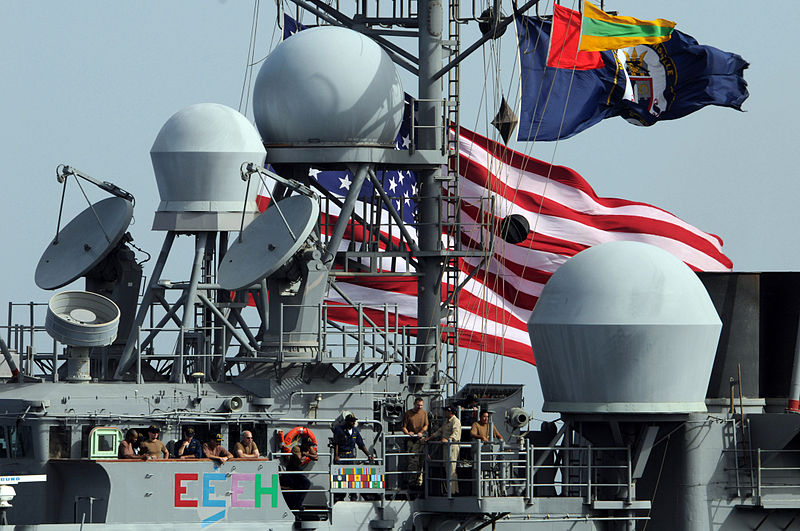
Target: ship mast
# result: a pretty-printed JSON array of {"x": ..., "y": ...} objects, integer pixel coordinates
[
  {"x": 435, "y": 114},
  {"x": 431, "y": 263},
  {"x": 435, "y": 259}
]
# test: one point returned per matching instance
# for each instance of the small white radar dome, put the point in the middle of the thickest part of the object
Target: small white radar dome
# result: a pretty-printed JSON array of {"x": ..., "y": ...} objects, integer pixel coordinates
[
  {"x": 328, "y": 85},
  {"x": 624, "y": 327},
  {"x": 196, "y": 159}
]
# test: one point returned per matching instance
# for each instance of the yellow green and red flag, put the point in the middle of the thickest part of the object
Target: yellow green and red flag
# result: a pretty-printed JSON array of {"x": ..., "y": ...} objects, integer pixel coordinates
[{"x": 601, "y": 31}]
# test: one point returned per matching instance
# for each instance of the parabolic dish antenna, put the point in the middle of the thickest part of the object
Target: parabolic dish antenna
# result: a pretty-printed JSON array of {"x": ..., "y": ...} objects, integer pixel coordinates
[
  {"x": 84, "y": 242},
  {"x": 266, "y": 244}
]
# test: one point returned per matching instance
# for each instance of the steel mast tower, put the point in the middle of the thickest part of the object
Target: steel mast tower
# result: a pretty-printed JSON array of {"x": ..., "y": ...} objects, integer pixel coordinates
[{"x": 431, "y": 262}]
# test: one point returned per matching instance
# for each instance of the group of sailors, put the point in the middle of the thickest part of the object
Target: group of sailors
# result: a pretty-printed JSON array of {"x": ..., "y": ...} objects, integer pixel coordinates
[
  {"x": 416, "y": 424},
  {"x": 346, "y": 441},
  {"x": 151, "y": 447}
]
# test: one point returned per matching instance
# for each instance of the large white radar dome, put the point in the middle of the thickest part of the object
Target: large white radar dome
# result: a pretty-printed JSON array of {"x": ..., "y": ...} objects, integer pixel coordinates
[
  {"x": 328, "y": 85},
  {"x": 624, "y": 327},
  {"x": 196, "y": 159}
]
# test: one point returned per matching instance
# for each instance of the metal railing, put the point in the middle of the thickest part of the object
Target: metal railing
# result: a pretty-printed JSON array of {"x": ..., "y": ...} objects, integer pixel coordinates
[
  {"x": 284, "y": 474},
  {"x": 592, "y": 473},
  {"x": 497, "y": 469},
  {"x": 376, "y": 337},
  {"x": 766, "y": 476},
  {"x": 490, "y": 471},
  {"x": 331, "y": 496}
]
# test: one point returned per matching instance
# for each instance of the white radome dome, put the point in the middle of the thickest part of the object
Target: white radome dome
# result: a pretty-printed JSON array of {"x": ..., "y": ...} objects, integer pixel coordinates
[
  {"x": 624, "y": 327},
  {"x": 328, "y": 85},
  {"x": 196, "y": 159}
]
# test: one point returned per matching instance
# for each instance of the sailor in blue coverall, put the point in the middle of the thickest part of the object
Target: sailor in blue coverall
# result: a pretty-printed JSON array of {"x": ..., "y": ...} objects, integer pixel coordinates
[{"x": 345, "y": 440}]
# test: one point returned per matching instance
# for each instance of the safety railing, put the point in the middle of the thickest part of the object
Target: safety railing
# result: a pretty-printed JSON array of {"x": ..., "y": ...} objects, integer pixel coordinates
[
  {"x": 298, "y": 485},
  {"x": 592, "y": 473},
  {"x": 402, "y": 465},
  {"x": 37, "y": 351},
  {"x": 498, "y": 469},
  {"x": 372, "y": 229},
  {"x": 181, "y": 351},
  {"x": 767, "y": 477},
  {"x": 374, "y": 335},
  {"x": 477, "y": 469},
  {"x": 337, "y": 483},
  {"x": 378, "y": 245}
]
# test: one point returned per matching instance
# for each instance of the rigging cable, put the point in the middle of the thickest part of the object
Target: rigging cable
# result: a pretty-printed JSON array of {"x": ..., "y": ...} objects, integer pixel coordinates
[
  {"x": 250, "y": 52},
  {"x": 491, "y": 61},
  {"x": 658, "y": 479},
  {"x": 497, "y": 159},
  {"x": 476, "y": 315},
  {"x": 511, "y": 201},
  {"x": 496, "y": 46},
  {"x": 250, "y": 66},
  {"x": 149, "y": 256},
  {"x": 550, "y": 165},
  {"x": 485, "y": 286},
  {"x": 244, "y": 99}
]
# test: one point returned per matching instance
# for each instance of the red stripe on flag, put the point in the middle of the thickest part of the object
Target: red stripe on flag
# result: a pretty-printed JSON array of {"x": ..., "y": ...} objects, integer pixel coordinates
[{"x": 565, "y": 215}]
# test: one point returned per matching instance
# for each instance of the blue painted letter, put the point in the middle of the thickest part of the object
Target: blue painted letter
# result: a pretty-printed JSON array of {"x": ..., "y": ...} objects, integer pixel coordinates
[{"x": 208, "y": 490}]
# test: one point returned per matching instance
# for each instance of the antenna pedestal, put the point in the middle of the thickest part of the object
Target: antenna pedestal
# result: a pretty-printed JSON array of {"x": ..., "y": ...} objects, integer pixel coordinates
[
  {"x": 78, "y": 365},
  {"x": 294, "y": 306}
]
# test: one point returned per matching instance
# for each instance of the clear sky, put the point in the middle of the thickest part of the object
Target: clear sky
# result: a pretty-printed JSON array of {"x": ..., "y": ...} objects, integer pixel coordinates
[{"x": 90, "y": 83}]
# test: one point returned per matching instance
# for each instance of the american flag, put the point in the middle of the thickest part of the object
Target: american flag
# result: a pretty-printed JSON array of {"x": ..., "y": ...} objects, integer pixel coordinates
[{"x": 564, "y": 214}]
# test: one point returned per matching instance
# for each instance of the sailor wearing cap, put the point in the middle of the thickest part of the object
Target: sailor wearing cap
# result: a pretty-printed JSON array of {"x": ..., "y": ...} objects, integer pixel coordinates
[
  {"x": 189, "y": 447},
  {"x": 152, "y": 447},
  {"x": 345, "y": 440},
  {"x": 450, "y": 432},
  {"x": 214, "y": 450}
]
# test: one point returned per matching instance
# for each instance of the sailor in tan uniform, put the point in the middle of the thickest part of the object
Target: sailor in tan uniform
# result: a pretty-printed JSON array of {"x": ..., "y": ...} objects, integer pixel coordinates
[{"x": 450, "y": 431}]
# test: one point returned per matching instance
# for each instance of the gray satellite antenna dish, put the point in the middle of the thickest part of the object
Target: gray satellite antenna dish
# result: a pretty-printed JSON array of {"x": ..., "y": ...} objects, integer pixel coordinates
[
  {"x": 84, "y": 242},
  {"x": 268, "y": 243}
]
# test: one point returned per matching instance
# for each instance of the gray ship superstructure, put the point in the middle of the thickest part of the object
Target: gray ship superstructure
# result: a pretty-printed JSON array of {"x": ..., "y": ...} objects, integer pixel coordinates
[{"x": 672, "y": 389}]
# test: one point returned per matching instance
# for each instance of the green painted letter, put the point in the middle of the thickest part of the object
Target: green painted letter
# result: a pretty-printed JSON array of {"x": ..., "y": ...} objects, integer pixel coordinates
[{"x": 272, "y": 491}]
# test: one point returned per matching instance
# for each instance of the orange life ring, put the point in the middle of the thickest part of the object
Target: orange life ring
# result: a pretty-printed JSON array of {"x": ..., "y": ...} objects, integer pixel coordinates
[{"x": 293, "y": 434}]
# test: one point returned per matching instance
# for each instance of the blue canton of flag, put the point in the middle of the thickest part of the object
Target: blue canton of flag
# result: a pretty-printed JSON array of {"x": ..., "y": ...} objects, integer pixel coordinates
[{"x": 400, "y": 185}]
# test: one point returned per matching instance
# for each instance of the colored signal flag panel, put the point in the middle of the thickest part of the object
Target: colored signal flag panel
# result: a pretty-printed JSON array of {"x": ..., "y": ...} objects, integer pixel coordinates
[{"x": 362, "y": 479}]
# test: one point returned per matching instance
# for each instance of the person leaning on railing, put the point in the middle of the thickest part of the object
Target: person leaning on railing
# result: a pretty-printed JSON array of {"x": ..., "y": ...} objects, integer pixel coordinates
[
  {"x": 345, "y": 440},
  {"x": 415, "y": 425},
  {"x": 247, "y": 447},
  {"x": 189, "y": 447},
  {"x": 480, "y": 429},
  {"x": 126, "y": 449},
  {"x": 450, "y": 431},
  {"x": 152, "y": 447},
  {"x": 214, "y": 450}
]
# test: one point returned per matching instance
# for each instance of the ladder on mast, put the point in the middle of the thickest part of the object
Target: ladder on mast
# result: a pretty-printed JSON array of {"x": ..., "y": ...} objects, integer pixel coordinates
[{"x": 450, "y": 209}]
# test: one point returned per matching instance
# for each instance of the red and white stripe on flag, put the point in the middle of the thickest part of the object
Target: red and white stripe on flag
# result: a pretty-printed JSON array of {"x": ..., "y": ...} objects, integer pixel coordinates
[{"x": 565, "y": 217}]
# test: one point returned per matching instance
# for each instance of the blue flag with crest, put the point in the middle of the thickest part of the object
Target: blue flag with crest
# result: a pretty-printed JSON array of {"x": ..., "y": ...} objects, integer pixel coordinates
[
  {"x": 679, "y": 76},
  {"x": 565, "y": 91}
]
